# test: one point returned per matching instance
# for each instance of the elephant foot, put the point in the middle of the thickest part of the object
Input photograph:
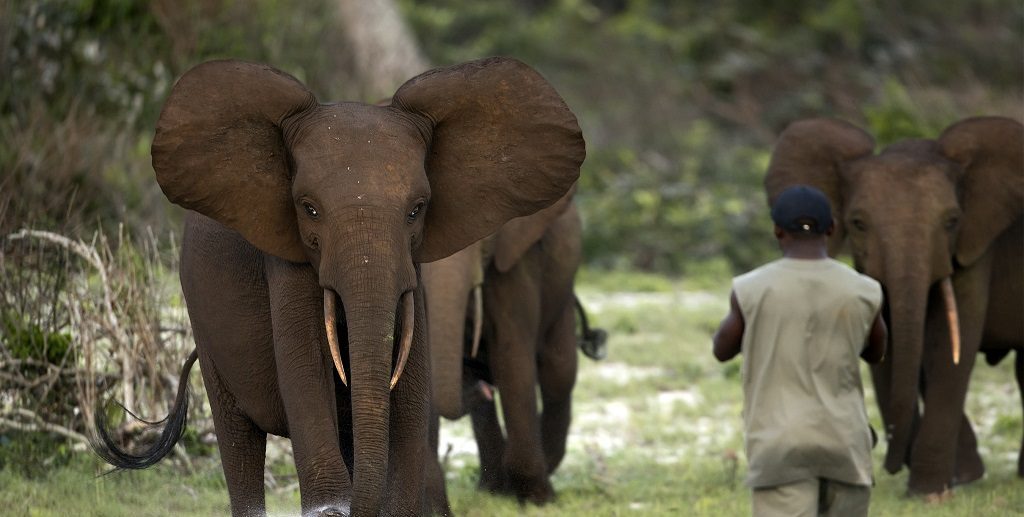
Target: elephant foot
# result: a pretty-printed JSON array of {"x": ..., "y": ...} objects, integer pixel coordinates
[
  {"x": 928, "y": 490},
  {"x": 492, "y": 481},
  {"x": 968, "y": 474},
  {"x": 939, "y": 497},
  {"x": 538, "y": 492},
  {"x": 439, "y": 505}
]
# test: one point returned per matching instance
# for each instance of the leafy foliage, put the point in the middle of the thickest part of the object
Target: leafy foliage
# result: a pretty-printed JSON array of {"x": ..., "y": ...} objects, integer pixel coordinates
[
  {"x": 31, "y": 342},
  {"x": 84, "y": 83},
  {"x": 681, "y": 101}
]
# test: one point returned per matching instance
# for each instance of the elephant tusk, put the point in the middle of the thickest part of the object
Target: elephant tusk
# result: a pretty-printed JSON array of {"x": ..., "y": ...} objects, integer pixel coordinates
[
  {"x": 952, "y": 317},
  {"x": 330, "y": 324},
  {"x": 408, "y": 324},
  {"x": 478, "y": 319}
]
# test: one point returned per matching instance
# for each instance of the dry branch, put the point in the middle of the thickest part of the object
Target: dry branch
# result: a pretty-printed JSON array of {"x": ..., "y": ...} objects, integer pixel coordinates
[{"x": 111, "y": 314}]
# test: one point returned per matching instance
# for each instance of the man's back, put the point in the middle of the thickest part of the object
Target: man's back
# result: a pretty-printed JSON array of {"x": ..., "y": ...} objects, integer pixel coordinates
[{"x": 806, "y": 325}]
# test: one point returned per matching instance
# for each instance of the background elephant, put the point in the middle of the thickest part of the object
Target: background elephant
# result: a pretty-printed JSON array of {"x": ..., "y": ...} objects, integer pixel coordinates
[
  {"x": 920, "y": 213},
  {"x": 527, "y": 338},
  {"x": 309, "y": 223}
]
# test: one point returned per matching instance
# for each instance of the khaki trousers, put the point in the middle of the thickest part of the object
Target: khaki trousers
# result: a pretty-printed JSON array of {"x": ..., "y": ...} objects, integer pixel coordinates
[{"x": 811, "y": 498}]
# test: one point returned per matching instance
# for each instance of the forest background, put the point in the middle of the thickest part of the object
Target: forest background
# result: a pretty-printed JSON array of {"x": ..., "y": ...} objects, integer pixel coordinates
[{"x": 679, "y": 101}]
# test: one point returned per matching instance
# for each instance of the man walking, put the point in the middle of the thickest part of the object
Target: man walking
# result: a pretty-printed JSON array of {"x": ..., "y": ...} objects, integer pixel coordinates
[{"x": 801, "y": 322}]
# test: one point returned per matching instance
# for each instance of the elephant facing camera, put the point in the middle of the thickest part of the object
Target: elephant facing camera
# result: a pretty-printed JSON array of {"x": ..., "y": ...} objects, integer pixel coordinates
[{"x": 306, "y": 229}]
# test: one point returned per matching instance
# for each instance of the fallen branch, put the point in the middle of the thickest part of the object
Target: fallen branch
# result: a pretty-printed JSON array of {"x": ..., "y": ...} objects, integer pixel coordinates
[{"x": 38, "y": 424}]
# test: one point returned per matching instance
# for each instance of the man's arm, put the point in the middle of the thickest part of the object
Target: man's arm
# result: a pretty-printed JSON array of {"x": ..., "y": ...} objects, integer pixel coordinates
[
  {"x": 874, "y": 350},
  {"x": 729, "y": 336}
]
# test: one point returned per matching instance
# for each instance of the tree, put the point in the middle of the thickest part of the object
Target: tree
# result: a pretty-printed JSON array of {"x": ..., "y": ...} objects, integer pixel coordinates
[{"x": 383, "y": 48}]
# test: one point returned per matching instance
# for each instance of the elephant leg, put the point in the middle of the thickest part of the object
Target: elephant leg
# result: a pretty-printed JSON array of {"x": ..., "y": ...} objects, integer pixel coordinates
[
  {"x": 305, "y": 378},
  {"x": 230, "y": 317},
  {"x": 409, "y": 453},
  {"x": 242, "y": 447},
  {"x": 513, "y": 361},
  {"x": 934, "y": 450},
  {"x": 1019, "y": 370},
  {"x": 557, "y": 371},
  {"x": 881, "y": 377},
  {"x": 437, "y": 498},
  {"x": 490, "y": 444},
  {"x": 523, "y": 458},
  {"x": 968, "y": 467}
]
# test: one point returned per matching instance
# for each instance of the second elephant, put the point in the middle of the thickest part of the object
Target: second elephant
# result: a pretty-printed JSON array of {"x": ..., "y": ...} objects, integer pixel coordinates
[
  {"x": 939, "y": 224},
  {"x": 526, "y": 338}
]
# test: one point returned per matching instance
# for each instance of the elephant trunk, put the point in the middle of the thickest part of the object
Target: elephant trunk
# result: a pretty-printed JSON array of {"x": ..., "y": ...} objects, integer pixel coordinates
[
  {"x": 908, "y": 291},
  {"x": 371, "y": 332},
  {"x": 374, "y": 278}
]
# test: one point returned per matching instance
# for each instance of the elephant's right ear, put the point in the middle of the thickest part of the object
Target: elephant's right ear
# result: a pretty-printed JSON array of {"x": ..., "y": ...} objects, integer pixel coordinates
[
  {"x": 811, "y": 152},
  {"x": 502, "y": 144},
  {"x": 219, "y": 150}
]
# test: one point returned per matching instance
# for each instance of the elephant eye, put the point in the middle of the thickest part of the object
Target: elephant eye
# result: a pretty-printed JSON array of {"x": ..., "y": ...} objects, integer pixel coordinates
[
  {"x": 859, "y": 224},
  {"x": 415, "y": 212},
  {"x": 951, "y": 223},
  {"x": 310, "y": 210}
]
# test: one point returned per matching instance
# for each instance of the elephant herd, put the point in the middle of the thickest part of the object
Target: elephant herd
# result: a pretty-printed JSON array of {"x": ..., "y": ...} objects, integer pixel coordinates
[{"x": 355, "y": 272}]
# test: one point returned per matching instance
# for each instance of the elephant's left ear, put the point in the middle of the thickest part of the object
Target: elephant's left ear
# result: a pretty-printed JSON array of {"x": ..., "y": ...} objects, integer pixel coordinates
[
  {"x": 991, "y": 151},
  {"x": 502, "y": 144}
]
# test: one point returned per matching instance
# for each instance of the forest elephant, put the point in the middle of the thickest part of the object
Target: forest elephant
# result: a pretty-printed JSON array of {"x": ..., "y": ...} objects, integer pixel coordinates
[
  {"x": 502, "y": 314},
  {"x": 940, "y": 223},
  {"x": 300, "y": 261}
]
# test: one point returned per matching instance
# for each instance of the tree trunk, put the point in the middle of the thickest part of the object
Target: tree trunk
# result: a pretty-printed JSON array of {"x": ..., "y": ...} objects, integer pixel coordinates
[{"x": 383, "y": 47}]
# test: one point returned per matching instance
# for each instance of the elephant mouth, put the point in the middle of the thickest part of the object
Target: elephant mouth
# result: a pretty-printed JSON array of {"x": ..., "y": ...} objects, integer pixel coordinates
[{"x": 404, "y": 325}]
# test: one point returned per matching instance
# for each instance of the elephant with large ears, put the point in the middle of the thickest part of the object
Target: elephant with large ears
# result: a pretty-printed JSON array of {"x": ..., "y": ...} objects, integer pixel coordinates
[
  {"x": 502, "y": 314},
  {"x": 300, "y": 261},
  {"x": 940, "y": 223}
]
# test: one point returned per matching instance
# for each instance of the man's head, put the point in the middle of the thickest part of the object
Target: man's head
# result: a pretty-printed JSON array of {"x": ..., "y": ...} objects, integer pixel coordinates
[{"x": 802, "y": 211}]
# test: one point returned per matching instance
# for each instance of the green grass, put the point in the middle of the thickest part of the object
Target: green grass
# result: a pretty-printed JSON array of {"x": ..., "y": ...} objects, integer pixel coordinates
[{"x": 656, "y": 431}]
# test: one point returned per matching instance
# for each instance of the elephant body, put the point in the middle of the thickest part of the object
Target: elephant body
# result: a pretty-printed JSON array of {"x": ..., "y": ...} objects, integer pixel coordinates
[
  {"x": 528, "y": 340},
  {"x": 301, "y": 260},
  {"x": 939, "y": 223},
  {"x": 254, "y": 317}
]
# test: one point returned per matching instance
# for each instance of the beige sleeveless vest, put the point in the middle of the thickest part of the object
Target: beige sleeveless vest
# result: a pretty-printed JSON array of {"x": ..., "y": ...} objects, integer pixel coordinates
[{"x": 806, "y": 324}]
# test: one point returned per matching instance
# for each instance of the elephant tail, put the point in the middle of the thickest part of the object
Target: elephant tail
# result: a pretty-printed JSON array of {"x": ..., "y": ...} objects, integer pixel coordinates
[
  {"x": 593, "y": 341},
  {"x": 173, "y": 427}
]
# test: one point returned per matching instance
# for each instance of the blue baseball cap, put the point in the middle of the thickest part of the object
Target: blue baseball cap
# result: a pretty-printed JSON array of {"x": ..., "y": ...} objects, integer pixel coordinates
[{"x": 802, "y": 209}]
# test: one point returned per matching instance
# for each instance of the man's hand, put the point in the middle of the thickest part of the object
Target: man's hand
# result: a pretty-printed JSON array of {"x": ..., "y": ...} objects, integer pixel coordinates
[
  {"x": 728, "y": 339},
  {"x": 874, "y": 350}
]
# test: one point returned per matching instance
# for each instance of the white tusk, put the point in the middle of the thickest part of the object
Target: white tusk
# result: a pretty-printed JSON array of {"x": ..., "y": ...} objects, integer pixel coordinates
[
  {"x": 478, "y": 319},
  {"x": 331, "y": 326},
  {"x": 408, "y": 322},
  {"x": 952, "y": 317}
]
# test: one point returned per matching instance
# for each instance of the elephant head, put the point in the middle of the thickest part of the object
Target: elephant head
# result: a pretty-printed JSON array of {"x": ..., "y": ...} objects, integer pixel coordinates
[
  {"x": 363, "y": 193},
  {"x": 451, "y": 284},
  {"x": 911, "y": 216}
]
